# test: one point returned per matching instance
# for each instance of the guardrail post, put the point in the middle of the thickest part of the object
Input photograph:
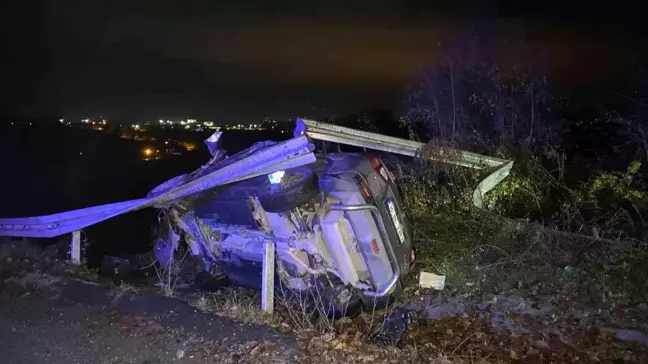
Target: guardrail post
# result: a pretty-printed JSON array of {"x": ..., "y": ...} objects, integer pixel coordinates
[
  {"x": 75, "y": 247},
  {"x": 267, "y": 286}
]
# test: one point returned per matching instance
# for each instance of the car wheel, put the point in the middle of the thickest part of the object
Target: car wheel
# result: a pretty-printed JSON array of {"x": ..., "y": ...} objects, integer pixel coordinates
[
  {"x": 290, "y": 279},
  {"x": 335, "y": 299},
  {"x": 297, "y": 187}
]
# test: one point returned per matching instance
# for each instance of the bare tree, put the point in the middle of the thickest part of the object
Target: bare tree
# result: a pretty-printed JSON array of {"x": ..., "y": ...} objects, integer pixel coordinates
[{"x": 485, "y": 92}]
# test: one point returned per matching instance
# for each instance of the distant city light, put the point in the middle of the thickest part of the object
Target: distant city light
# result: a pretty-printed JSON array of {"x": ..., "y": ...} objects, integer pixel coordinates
[
  {"x": 148, "y": 152},
  {"x": 161, "y": 121},
  {"x": 189, "y": 146},
  {"x": 61, "y": 120}
]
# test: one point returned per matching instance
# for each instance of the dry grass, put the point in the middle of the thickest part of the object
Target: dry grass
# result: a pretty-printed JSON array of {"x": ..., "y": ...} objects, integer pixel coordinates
[
  {"x": 169, "y": 276},
  {"x": 235, "y": 302},
  {"x": 325, "y": 339}
]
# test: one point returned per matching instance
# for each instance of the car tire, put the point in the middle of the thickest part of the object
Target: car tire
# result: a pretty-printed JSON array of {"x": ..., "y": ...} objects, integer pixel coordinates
[
  {"x": 327, "y": 295},
  {"x": 351, "y": 310},
  {"x": 301, "y": 186}
]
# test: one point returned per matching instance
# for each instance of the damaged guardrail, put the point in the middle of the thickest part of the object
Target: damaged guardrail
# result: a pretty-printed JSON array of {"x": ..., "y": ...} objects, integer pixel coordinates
[
  {"x": 259, "y": 160},
  {"x": 292, "y": 153},
  {"x": 289, "y": 154},
  {"x": 343, "y": 135}
]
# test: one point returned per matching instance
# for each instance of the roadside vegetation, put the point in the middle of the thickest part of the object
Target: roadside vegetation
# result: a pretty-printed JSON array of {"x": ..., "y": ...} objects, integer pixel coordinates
[
  {"x": 573, "y": 208},
  {"x": 563, "y": 235}
]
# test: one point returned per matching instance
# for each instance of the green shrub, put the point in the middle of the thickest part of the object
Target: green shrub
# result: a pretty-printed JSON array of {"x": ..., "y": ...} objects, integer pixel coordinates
[{"x": 612, "y": 189}]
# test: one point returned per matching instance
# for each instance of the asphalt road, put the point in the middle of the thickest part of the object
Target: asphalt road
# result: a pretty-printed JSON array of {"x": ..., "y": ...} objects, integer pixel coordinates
[{"x": 73, "y": 322}]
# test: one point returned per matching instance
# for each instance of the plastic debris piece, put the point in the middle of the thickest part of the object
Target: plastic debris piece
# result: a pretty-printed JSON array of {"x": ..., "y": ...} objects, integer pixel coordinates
[
  {"x": 214, "y": 143},
  {"x": 431, "y": 280},
  {"x": 394, "y": 327}
]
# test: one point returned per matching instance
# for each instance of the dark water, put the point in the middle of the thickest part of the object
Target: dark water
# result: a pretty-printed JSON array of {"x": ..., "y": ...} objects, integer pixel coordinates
[{"x": 54, "y": 169}]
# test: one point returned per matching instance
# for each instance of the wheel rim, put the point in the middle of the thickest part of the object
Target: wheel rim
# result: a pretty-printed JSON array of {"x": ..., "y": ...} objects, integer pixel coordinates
[
  {"x": 289, "y": 276},
  {"x": 338, "y": 297},
  {"x": 291, "y": 179},
  {"x": 342, "y": 298}
]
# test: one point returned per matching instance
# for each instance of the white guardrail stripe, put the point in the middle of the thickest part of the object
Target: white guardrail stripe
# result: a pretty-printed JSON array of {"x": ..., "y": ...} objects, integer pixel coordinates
[
  {"x": 343, "y": 135},
  {"x": 292, "y": 153}
]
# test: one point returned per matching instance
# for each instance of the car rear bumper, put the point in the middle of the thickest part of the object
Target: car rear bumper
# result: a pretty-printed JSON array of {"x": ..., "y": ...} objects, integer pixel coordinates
[{"x": 395, "y": 278}]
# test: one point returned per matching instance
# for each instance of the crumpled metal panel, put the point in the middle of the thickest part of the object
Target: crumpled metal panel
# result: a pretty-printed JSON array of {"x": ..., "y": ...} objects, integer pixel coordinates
[
  {"x": 292, "y": 153},
  {"x": 166, "y": 244},
  {"x": 213, "y": 143}
]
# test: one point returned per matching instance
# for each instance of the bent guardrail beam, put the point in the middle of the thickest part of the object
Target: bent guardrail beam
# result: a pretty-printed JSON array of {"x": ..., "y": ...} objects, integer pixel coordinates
[
  {"x": 340, "y": 134},
  {"x": 288, "y": 154},
  {"x": 292, "y": 153}
]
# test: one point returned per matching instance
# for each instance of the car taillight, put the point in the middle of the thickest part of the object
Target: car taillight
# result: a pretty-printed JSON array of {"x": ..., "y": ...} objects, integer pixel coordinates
[
  {"x": 377, "y": 165},
  {"x": 365, "y": 189},
  {"x": 363, "y": 186},
  {"x": 412, "y": 258},
  {"x": 374, "y": 246}
]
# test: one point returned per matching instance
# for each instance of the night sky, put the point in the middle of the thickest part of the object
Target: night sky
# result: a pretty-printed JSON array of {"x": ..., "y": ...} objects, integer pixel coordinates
[{"x": 207, "y": 59}]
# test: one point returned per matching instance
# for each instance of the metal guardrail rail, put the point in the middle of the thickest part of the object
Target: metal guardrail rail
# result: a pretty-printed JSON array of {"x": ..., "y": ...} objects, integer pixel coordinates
[
  {"x": 292, "y": 153},
  {"x": 343, "y": 135}
]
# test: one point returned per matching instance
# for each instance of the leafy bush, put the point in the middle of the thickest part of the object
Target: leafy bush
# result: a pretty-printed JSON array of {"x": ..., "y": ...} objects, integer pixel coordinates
[{"x": 611, "y": 188}]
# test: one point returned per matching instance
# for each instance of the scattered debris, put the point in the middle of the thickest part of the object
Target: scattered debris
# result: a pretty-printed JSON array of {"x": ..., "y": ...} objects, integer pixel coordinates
[
  {"x": 394, "y": 327},
  {"x": 431, "y": 280},
  {"x": 180, "y": 354}
]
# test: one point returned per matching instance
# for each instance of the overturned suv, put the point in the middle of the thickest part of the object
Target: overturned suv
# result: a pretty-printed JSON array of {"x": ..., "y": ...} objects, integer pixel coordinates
[{"x": 338, "y": 226}]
